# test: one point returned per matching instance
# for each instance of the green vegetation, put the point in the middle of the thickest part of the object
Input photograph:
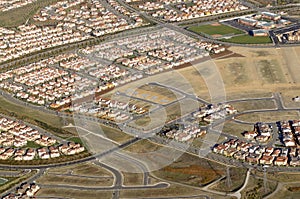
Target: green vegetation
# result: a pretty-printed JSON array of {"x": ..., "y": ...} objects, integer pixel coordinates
[
  {"x": 19, "y": 16},
  {"x": 63, "y": 158},
  {"x": 115, "y": 134},
  {"x": 31, "y": 144},
  {"x": 215, "y": 29},
  {"x": 49, "y": 122},
  {"x": 3, "y": 181},
  {"x": 76, "y": 140},
  {"x": 12, "y": 181},
  {"x": 256, "y": 189},
  {"x": 247, "y": 39},
  {"x": 237, "y": 178}
]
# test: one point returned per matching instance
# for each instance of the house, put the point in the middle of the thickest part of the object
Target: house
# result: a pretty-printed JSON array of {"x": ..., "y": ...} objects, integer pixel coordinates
[
  {"x": 250, "y": 135},
  {"x": 281, "y": 161},
  {"x": 267, "y": 160},
  {"x": 220, "y": 148},
  {"x": 229, "y": 152},
  {"x": 253, "y": 158}
]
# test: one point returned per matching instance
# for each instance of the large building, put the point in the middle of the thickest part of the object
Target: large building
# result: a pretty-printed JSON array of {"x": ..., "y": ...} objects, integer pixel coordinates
[
  {"x": 271, "y": 16},
  {"x": 247, "y": 21}
]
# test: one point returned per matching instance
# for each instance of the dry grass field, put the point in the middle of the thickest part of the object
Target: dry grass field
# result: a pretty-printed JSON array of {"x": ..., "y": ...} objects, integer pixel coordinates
[
  {"x": 52, "y": 179},
  {"x": 237, "y": 178},
  {"x": 236, "y": 128},
  {"x": 256, "y": 189},
  {"x": 86, "y": 169},
  {"x": 269, "y": 116},
  {"x": 71, "y": 193},
  {"x": 256, "y": 73},
  {"x": 156, "y": 94},
  {"x": 254, "y": 105},
  {"x": 191, "y": 170}
]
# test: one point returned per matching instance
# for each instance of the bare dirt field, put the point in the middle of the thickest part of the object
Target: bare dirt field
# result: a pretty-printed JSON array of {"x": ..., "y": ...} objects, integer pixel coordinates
[
  {"x": 256, "y": 73},
  {"x": 71, "y": 193},
  {"x": 87, "y": 169}
]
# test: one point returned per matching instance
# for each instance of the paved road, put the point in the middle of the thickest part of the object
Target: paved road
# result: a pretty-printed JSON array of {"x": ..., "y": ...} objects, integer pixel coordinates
[
  {"x": 118, "y": 182},
  {"x": 175, "y": 197},
  {"x": 90, "y": 158},
  {"x": 139, "y": 164},
  {"x": 161, "y": 185}
]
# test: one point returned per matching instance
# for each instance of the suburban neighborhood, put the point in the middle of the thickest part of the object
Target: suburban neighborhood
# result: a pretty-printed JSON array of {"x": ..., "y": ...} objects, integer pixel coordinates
[{"x": 149, "y": 99}]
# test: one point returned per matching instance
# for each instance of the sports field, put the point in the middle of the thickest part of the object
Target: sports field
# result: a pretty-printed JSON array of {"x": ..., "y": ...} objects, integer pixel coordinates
[
  {"x": 215, "y": 29},
  {"x": 247, "y": 39}
]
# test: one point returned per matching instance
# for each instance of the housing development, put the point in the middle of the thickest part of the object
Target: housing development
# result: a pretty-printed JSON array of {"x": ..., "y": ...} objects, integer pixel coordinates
[{"x": 149, "y": 99}]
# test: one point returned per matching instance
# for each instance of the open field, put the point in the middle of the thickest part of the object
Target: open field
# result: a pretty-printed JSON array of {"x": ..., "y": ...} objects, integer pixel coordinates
[
  {"x": 26, "y": 112},
  {"x": 19, "y": 16},
  {"x": 288, "y": 94},
  {"x": 115, "y": 134},
  {"x": 248, "y": 76},
  {"x": 215, "y": 29},
  {"x": 280, "y": 176},
  {"x": 187, "y": 79},
  {"x": 142, "y": 122},
  {"x": 237, "y": 178},
  {"x": 287, "y": 192},
  {"x": 247, "y": 39},
  {"x": 133, "y": 179},
  {"x": 84, "y": 128},
  {"x": 136, "y": 102},
  {"x": 71, "y": 193},
  {"x": 255, "y": 188},
  {"x": 162, "y": 116},
  {"x": 143, "y": 146},
  {"x": 75, "y": 180},
  {"x": 254, "y": 105},
  {"x": 191, "y": 170},
  {"x": 236, "y": 129},
  {"x": 181, "y": 108},
  {"x": 156, "y": 94},
  {"x": 49, "y": 122},
  {"x": 87, "y": 169},
  {"x": 269, "y": 116},
  {"x": 270, "y": 71},
  {"x": 174, "y": 190}
]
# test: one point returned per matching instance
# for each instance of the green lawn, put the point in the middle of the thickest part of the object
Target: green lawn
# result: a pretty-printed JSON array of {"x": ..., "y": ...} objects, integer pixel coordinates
[
  {"x": 3, "y": 181},
  {"x": 215, "y": 30},
  {"x": 31, "y": 144},
  {"x": 247, "y": 39}
]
